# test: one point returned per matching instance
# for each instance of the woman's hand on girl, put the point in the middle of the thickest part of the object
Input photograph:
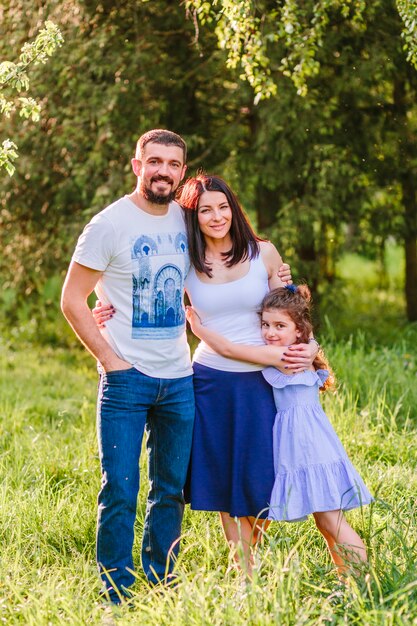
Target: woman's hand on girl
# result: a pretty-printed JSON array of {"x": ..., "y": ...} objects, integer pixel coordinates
[
  {"x": 299, "y": 357},
  {"x": 102, "y": 313}
]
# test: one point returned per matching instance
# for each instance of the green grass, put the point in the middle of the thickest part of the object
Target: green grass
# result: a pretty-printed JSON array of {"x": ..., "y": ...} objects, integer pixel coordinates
[
  {"x": 363, "y": 299},
  {"x": 50, "y": 478}
]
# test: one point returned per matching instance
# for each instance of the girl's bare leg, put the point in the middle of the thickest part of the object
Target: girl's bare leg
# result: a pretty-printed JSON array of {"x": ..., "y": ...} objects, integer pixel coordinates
[
  {"x": 259, "y": 528},
  {"x": 346, "y": 547}
]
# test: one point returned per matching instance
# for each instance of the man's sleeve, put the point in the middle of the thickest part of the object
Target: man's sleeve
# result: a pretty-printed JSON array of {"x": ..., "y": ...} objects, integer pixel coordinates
[{"x": 95, "y": 245}]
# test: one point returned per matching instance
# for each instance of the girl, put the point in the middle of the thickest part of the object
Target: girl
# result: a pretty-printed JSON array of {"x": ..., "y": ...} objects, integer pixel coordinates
[{"x": 313, "y": 473}]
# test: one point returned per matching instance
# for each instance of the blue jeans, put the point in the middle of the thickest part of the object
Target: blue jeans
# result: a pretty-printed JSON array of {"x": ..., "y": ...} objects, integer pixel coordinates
[{"x": 128, "y": 403}]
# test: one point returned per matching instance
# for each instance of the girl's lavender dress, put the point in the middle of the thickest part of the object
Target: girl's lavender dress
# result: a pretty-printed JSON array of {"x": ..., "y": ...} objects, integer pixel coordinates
[{"x": 312, "y": 470}]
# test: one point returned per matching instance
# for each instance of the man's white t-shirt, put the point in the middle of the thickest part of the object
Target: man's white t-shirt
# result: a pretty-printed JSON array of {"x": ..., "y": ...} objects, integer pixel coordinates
[{"x": 144, "y": 260}]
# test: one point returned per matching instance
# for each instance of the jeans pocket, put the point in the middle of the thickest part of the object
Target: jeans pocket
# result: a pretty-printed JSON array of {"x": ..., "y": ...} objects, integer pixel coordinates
[{"x": 119, "y": 372}]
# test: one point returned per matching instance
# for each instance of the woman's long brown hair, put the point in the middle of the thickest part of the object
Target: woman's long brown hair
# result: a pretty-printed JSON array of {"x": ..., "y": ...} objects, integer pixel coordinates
[{"x": 244, "y": 240}]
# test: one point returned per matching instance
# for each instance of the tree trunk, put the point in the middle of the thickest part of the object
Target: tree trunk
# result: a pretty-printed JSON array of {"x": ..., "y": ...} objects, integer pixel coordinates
[
  {"x": 267, "y": 207},
  {"x": 409, "y": 190},
  {"x": 407, "y": 159},
  {"x": 411, "y": 278}
]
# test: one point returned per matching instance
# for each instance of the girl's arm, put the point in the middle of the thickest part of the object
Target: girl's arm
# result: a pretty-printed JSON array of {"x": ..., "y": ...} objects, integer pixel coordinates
[{"x": 264, "y": 355}]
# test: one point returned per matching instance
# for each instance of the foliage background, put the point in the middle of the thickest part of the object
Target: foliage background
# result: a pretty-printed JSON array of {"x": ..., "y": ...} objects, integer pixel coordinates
[{"x": 308, "y": 109}]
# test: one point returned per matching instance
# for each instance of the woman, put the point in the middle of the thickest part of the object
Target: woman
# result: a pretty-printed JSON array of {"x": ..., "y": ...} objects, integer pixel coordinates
[{"x": 232, "y": 269}]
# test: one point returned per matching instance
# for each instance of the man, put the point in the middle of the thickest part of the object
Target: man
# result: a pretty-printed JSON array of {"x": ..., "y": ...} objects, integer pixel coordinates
[{"x": 134, "y": 254}]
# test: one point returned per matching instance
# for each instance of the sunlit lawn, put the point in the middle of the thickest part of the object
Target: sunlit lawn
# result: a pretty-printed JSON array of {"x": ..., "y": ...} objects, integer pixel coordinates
[{"x": 50, "y": 478}]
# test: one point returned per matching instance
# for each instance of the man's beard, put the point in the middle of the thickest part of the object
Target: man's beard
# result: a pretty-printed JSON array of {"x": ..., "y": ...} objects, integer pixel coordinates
[{"x": 156, "y": 198}]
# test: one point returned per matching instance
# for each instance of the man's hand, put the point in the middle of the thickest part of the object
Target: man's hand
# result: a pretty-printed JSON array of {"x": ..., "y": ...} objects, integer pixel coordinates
[
  {"x": 284, "y": 274},
  {"x": 115, "y": 365},
  {"x": 300, "y": 356}
]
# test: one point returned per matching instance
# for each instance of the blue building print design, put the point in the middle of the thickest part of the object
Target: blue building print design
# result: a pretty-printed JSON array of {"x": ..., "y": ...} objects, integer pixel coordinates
[
  {"x": 181, "y": 244},
  {"x": 157, "y": 289}
]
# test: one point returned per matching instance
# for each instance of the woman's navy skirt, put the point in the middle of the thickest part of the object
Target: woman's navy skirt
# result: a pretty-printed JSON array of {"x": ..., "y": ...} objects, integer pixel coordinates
[{"x": 231, "y": 467}]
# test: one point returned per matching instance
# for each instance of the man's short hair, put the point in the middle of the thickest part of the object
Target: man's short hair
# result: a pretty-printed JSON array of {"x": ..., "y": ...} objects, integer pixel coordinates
[{"x": 164, "y": 137}]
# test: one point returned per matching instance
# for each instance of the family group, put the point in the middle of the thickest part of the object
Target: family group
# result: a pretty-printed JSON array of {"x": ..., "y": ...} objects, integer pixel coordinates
[{"x": 239, "y": 430}]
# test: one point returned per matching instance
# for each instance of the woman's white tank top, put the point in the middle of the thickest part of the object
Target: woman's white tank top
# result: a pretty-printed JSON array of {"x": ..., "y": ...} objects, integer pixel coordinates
[{"x": 230, "y": 309}]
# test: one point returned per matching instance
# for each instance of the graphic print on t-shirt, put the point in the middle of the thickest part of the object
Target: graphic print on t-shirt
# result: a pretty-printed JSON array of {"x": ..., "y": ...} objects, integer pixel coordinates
[{"x": 159, "y": 265}]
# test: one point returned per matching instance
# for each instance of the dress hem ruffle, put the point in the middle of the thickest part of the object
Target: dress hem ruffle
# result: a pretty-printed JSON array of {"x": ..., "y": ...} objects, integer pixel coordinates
[{"x": 317, "y": 488}]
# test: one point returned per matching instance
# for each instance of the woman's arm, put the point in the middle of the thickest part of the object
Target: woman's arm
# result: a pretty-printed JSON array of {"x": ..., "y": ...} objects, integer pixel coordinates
[{"x": 264, "y": 355}]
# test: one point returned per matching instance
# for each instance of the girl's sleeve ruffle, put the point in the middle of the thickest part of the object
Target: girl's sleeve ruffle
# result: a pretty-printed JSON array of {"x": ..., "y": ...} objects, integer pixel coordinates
[
  {"x": 323, "y": 376},
  {"x": 279, "y": 380}
]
